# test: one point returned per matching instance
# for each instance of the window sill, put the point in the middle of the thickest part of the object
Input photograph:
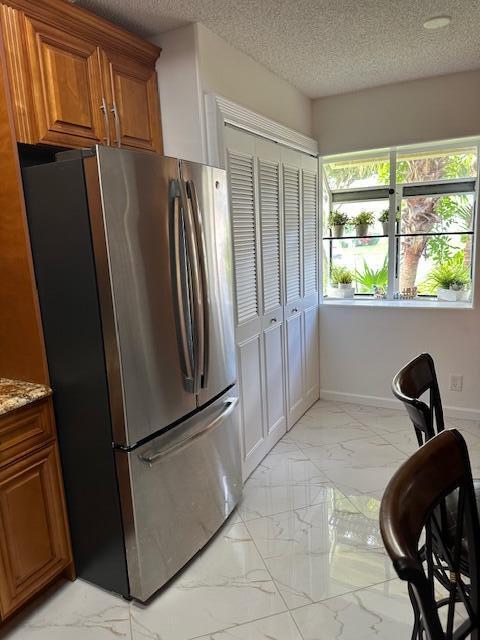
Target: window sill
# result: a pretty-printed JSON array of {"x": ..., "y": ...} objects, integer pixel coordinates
[{"x": 398, "y": 304}]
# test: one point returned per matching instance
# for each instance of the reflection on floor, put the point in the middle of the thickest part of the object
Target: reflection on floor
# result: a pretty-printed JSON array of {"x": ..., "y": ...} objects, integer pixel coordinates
[{"x": 300, "y": 559}]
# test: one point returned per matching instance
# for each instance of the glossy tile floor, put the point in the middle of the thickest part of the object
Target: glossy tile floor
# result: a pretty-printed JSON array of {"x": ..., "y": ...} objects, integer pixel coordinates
[{"x": 301, "y": 558}]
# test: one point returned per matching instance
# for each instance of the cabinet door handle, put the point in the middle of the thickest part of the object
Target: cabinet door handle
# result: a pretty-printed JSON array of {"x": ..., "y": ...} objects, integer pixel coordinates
[
  {"x": 103, "y": 108},
  {"x": 116, "y": 115},
  {"x": 295, "y": 310},
  {"x": 273, "y": 321}
]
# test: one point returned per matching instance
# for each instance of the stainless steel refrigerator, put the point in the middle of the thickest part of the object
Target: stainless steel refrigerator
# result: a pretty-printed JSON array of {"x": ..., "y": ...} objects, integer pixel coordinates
[{"x": 133, "y": 263}]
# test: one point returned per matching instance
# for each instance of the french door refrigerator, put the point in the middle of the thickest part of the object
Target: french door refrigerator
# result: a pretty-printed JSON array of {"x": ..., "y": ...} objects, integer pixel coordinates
[{"x": 133, "y": 263}]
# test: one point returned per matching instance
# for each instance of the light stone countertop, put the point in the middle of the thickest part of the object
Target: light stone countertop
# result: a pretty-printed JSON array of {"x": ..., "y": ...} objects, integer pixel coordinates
[{"x": 17, "y": 393}]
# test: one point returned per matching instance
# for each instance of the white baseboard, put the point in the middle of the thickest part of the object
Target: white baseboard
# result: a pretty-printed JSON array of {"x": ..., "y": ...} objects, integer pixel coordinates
[{"x": 392, "y": 403}]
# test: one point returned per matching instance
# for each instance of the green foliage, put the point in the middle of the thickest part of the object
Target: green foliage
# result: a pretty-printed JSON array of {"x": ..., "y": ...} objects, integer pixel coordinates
[
  {"x": 337, "y": 218},
  {"x": 342, "y": 176},
  {"x": 451, "y": 274},
  {"x": 341, "y": 275},
  {"x": 385, "y": 214},
  {"x": 370, "y": 278},
  {"x": 460, "y": 166},
  {"x": 454, "y": 209},
  {"x": 364, "y": 217}
]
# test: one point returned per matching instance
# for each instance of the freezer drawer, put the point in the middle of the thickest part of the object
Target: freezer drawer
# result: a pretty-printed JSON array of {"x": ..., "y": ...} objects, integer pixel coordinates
[{"x": 176, "y": 491}]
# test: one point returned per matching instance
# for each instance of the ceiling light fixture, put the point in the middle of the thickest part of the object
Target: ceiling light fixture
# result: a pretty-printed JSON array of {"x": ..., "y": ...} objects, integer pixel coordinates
[{"x": 437, "y": 22}]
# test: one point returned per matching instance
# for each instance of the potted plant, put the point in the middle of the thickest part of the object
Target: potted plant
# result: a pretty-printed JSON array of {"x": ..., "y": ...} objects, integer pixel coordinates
[
  {"x": 451, "y": 278},
  {"x": 372, "y": 280},
  {"x": 362, "y": 222},
  {"x": 341, "y": 280},
  {"x": 384, "y": 220},
  {"x": 337, "y": 221}
]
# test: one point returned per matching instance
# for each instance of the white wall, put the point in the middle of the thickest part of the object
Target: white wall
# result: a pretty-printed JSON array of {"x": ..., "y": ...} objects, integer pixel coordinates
[
  {"x": 363, "y": 347},
  {"x": 404, "y": 113},
  {"x": 232, "y": 74},
  {"x": 195, "y": 62},
  {"x": 180, "y": 91}
]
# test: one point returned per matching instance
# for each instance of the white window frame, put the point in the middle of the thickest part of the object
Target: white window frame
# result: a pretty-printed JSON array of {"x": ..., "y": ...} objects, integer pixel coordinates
[{"x": 395, "y": 193}]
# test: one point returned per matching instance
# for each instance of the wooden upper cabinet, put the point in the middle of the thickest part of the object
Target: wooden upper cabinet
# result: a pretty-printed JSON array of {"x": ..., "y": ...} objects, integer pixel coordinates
[
  {"x": 77, "y": 80},
  {"x": 133, "y": 96},
  {"x": 67, "y": 87}
]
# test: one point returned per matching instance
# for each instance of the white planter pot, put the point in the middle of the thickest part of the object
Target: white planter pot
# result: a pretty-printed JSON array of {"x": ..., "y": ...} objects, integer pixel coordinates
[
  {"x": 362, "y": 229},
  {"x": 337, "y": 230},
  {"x": 341, "y": 292},
  {"x": 450, "y": 295}
]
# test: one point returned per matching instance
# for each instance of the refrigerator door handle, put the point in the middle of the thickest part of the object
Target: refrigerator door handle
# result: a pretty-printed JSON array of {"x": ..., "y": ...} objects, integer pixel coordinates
[
  {"x": 229, "y": 406},
  {"x": 202, "y": 251},
  {"x": 180, "y": 287},
  {"x": 197, "y": 293}
]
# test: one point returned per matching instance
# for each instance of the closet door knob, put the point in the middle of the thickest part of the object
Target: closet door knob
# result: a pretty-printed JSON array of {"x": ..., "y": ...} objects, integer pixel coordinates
[
  {"x": 273, "y": 321},
  {"x": 295, "y": 310}
]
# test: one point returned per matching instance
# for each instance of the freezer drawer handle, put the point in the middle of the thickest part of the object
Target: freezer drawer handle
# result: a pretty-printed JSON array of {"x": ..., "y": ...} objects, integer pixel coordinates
[{"x": 230, "y": 404}]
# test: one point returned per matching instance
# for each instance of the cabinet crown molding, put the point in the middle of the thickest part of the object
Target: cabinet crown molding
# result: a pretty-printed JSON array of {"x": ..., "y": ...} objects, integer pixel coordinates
[{"x": 63, "y": 14}]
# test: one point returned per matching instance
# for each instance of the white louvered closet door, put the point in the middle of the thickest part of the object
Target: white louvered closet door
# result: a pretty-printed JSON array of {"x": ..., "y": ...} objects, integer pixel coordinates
[
  {"x": 271, "y": 239},
  {"x": 294, "y": 326},
  {"x": 274, "y": 211},
  {"x": 241, "y": 167},
  {"x": 310, "y": 210}
]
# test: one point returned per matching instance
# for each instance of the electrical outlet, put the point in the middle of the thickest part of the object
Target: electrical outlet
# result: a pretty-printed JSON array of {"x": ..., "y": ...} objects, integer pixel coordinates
[{"x": 456, "y": 383}]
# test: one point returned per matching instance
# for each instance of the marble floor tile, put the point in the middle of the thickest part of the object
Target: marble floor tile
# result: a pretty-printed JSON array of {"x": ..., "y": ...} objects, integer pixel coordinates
[
  {"x": 72, "y": 611},
  {"x": 382, "y": 421},
  {"x": 370, "y": 480},
  {"x": 404, "y": 440},
  {"x": 315, "y": 530},
  {"x": 312, "y": 431},
  {"x": 471, "y": 426},
  {"x": 282, "y": 482},
  {"x": 362, "y": 452},
  {"x": 380, "y": 612},
  {"x": 226, "y": 585},
  {"x": 305, "y": 578},
  {"x": 278, "y": 627}
]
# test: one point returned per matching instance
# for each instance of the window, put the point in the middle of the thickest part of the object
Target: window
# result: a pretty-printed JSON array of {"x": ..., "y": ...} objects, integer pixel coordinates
[{"x": 400, "y": 223}]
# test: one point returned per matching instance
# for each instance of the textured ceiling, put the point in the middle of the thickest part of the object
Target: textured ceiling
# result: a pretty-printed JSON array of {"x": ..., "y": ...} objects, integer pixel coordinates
[{"x": 323, "y": 47}]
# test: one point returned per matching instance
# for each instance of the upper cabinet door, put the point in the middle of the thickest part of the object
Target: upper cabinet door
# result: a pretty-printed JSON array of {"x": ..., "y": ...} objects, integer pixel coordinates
[
  {"x": 133, "y": 101},
  {"x": 67, "y": 87}
]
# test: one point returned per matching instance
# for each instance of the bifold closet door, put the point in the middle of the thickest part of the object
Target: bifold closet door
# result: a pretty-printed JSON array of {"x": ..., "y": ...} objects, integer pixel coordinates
[
  {"x": 254, "y": 181},
  {"x": 271, "y": 239},
  {"x": 294, "y": 330},
  {"x": 300, "y": 196},
  {"x": 310, "y": 230}
]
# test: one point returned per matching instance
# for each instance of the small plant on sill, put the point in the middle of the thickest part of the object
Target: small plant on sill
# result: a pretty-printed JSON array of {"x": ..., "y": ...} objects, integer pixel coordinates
[
  {"x": 371, "y": 279},
  {"x": 337, "y": 221},
  {"x": 451, "y": 279},
  {"x": 341, "y": 280},
  {"x": 341, "y": 276}
]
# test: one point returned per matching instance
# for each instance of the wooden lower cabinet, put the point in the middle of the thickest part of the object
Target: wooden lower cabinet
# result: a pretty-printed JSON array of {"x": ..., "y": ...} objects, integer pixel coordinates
[{"x": 34, "y": 540}]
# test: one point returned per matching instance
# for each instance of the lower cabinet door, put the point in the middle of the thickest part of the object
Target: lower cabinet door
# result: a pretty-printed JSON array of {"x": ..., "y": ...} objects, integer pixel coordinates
[
  {"x": 274, "y": 381},
  {"x": 252, "y": 414},
  {"x": 295, "y": 367},
  {"x": 311, "y": 348},
  {"x": 34, "y": 543}
]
